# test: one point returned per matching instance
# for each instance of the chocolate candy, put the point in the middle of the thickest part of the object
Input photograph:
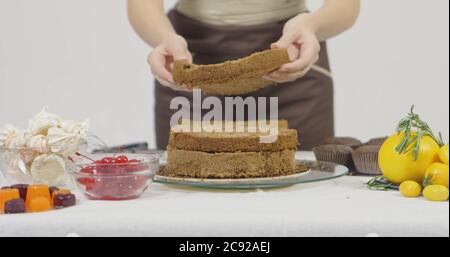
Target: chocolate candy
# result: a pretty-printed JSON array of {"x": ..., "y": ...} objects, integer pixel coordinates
[
  {"x": 22, "y": 190},
  {"x": 6, "y": 187},
  {"x": 64, "y": 200},
  {"x": 15, "y": 206}
]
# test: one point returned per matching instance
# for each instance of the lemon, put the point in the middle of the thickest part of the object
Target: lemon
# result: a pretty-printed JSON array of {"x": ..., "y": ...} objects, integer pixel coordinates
[
  {"x": 410, "y": 189},
  {"x": 443, "y": 154},
  {"x": 398, "y": 168},
  {"x": 436, "y": 193},
  {"x": 438, "y": 174}
]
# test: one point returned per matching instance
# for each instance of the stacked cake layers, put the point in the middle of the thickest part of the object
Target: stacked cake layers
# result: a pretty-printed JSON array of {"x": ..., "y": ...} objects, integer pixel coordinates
[{"x": 231, "y": 154}]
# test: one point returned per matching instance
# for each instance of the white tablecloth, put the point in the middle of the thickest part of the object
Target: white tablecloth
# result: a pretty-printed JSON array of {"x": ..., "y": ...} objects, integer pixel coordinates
[{"x": 341, "y": 207}]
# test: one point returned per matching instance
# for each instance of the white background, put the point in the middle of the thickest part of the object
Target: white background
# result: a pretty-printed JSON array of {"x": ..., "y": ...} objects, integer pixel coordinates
[{"x": 82, "y": 59}]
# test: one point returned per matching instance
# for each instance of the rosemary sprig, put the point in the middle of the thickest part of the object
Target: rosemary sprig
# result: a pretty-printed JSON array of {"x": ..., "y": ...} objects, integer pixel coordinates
[
  {"x": 414, "y": 129},
  {"x": 380, "y": 183},
  {"x": 427, "y": 181}
]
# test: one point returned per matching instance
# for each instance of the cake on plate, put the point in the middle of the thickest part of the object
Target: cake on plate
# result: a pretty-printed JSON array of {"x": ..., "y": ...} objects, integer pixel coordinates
[{"x": 231, "y": 154}]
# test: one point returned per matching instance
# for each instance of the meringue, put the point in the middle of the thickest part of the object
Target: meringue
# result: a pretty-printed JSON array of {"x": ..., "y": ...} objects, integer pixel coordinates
[
  {"x": 6, "y": 134},
  {"x": 27, "y": 156},
  {"x": 75, "y": 127},
  {"x": 38, "y": 143},
  {"x": 39, "y": 153},
  {"x": 17, "y": 141},
  {"x": 48, "y": 169},
  {"x": 18, "y": 144},
  {"x": 44, "y": 120},
  {"x": 62, "y": 142}
]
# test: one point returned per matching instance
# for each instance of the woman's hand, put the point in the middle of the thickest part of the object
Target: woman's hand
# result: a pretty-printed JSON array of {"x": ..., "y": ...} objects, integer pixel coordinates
[
  {"x": 173, "y": 47},
  {"x": 299, "y": 38}
]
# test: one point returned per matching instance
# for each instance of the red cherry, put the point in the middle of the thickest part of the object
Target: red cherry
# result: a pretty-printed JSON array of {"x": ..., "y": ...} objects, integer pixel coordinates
[
  {"x": 88, "y": 169},
  {"x": 89, "y": 183},
  {"x": 122, "y": 159},
  {"x": 106, "y": 187},
  {"x": 109, "y": 160}
]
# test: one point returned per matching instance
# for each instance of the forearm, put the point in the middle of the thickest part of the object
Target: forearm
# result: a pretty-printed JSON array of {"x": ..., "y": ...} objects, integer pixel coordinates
[
  {"x": 334, "y": 17},
  {"x": 149, "y": 20}
]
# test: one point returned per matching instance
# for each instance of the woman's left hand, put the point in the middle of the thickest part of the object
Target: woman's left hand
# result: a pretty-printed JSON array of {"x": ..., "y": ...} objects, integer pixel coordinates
[{"x": 300, "y": 39}]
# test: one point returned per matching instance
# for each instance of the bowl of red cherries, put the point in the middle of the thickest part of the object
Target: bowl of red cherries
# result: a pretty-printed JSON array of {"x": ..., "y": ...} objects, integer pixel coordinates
[{"x": 113, "y": 176}]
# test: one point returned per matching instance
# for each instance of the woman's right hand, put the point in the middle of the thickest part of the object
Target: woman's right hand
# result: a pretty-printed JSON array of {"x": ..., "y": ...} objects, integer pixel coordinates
[{"x": 161, "y": 59}]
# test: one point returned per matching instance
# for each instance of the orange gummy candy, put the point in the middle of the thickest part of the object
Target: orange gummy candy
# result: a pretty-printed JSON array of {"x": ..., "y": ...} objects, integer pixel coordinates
[
  {"x": 7, "y": 195},
  {"x": 39, "y": 204},
  {"x": 35, "y": 192}
]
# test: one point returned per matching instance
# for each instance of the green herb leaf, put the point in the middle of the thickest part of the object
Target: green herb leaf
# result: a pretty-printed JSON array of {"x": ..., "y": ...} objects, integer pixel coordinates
[
  {"x": 412, "y": 122},
  {"x": 427, "y": 181},
  {"x": 380, "y": 183}
]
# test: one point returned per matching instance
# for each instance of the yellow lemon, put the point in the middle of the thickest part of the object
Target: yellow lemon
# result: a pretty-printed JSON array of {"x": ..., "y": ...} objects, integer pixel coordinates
[
  {"x": 438, "y": 174},
  {"x": 443, "y": 154},
  {"x": 410, "y": 188},
  {"x": 436, "y": 193},
  {"x": 402, "y": 167}
]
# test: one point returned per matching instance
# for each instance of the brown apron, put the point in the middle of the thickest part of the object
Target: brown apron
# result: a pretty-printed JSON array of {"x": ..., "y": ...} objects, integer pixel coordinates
[{"x": 306, "y": 103}]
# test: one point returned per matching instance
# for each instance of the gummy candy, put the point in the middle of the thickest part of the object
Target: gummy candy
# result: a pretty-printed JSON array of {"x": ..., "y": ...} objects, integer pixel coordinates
[
  {"x": 36, "y": 191},
  {"x": 6, "y": 195},
  {"x": 61, "y": 192},
  {"x": 22, "y": 190},
  {"x": 64, "y": 200},
  {"x": 39, "y": 204},
  {"x": 52, "y": 190},
  {"x": 15, "y": 206},
  {"x": 21, "y": 198}
]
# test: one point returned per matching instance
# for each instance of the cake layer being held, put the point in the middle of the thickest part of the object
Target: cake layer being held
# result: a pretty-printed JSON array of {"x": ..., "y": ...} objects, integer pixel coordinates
[{"x": 235, "y": 77}]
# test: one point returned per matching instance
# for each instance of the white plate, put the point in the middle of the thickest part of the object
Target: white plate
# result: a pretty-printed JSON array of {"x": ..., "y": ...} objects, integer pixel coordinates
[
  {"x": 233, "y": 181},
  {"x": 318, "y": 171}
]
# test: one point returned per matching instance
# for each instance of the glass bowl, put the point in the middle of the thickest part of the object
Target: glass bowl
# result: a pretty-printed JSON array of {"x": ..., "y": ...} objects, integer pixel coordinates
[
  {"x": 16, "y": 166},
  {"x": 113, "y": 181}
]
